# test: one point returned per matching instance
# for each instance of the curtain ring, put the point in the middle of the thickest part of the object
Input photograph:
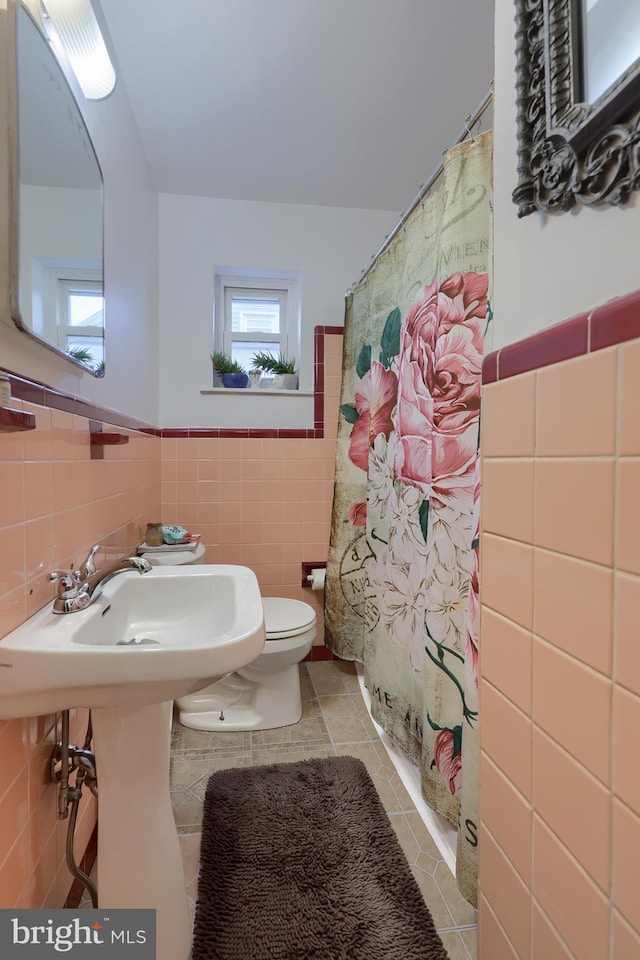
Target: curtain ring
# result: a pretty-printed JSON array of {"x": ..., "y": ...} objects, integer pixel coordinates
[{"x": 466, "y": 124}]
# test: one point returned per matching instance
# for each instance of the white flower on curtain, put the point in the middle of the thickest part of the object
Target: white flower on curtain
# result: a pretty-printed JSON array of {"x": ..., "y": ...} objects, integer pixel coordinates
[
  {"x": 450, "y": 537},
  {"x": 406, "y": 539},
  {"x": 402, "y": 594},
  {"x": 381, "y": 475},
  {"x": 446, "y": 610}
]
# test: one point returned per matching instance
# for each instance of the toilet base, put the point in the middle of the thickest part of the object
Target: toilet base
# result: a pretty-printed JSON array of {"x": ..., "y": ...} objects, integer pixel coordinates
[{"x": 238, "y": 703}]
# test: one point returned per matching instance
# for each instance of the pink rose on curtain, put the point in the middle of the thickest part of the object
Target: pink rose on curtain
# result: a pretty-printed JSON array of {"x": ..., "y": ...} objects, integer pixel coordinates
[
  {"x": 421, "y": 331},
  {"x": 448, "y": 761},
  {"x": 456, "y": 379},
  {"x": 375, "y": 400},
  {"x": 422, "y": 323},
  {"x": 462, "y": 306},
  {"x": 454, "y": 459},
  {"x": 439, "y": 386},
  {"x": 463, "y": 296},
  {"x": 413, "y": 422},
  {"x": 358, "y": 513},
  {"x": 460, "y": 299},
  {"x": 413, "y": 416},
  {"x": 456, "y": 385}
]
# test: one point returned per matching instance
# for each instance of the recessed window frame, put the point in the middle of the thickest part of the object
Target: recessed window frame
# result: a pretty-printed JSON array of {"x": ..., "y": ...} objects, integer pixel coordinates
[
  {"x": 243, "y": 282},
  {"x": 66, "y": 287}
]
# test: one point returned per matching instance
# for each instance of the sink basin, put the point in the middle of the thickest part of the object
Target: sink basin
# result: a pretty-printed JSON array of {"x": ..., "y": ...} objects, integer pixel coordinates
[{"x": 148, "y": 638}]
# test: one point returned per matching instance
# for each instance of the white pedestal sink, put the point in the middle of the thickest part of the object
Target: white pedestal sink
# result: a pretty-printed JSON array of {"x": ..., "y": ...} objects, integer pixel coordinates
[
  {"x": 189, "y": 625},
  {"x": 139, "y": 860}
]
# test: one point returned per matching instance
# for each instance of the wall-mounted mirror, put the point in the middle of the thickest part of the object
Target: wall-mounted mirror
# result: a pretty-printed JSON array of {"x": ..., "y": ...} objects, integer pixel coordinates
[
  {"x": 578, "y": 97},
  {"x": 57, "y": 274}
]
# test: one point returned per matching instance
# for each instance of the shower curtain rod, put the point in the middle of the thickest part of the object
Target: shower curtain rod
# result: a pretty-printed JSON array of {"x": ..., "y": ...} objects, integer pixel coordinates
[{"x": 469, "y": 123}]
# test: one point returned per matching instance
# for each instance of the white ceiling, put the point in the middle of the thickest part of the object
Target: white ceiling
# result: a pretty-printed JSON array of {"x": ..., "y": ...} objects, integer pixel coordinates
[{"x": 330, "y": 102}]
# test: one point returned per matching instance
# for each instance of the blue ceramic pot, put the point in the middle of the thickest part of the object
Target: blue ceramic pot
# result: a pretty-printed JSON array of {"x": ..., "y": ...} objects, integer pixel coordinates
[{"x": 237, "y": 380}]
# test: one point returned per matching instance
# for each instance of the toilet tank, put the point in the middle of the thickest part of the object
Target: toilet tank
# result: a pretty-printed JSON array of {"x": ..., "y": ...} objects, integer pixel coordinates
[{"x": 176, "y": 558}]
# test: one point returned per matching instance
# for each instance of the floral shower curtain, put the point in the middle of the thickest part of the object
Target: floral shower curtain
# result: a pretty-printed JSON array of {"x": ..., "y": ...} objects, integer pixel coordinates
[{"x": 401, "y": 590}]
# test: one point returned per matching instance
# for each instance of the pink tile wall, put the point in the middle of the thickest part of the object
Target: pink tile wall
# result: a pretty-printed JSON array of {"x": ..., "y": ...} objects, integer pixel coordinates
[
  {"x": 261, "y": 502},
  {"x": 560, "y": 782},
  {"x": 56, "y": 501}
]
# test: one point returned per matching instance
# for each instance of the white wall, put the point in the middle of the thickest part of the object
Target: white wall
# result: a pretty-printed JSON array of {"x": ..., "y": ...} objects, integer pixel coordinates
[
  {"x": 549, "y": 268},
  {"x": 58, "y": 223},
  {"x": 130, "y": 244},
  {"x": 328, "y": 245},
  {"x": 546, "y": 268}
]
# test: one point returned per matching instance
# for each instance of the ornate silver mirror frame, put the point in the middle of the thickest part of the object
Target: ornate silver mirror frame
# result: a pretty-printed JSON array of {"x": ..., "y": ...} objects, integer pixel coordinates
[{"x": 569, "y": 151}]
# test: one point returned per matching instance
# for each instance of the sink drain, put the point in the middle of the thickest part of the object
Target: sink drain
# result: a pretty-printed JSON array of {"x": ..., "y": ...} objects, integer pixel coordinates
[{"x": 136, "y": 642}]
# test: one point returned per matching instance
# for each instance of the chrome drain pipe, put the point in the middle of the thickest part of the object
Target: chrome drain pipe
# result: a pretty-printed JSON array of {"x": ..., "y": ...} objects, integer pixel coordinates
[
  {"x": 64, "y": 759},
  {"x": 62, "y": 752}
]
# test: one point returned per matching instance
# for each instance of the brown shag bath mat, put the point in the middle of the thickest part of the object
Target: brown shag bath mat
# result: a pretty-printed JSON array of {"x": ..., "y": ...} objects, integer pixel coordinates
[{"x": 299, "y": 862}]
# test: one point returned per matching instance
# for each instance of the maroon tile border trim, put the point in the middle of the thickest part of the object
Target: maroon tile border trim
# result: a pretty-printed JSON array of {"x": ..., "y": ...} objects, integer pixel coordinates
[
  {"x": 250, "y": 433},
  {"x": 27, "y": 390},
  {"x": 32, "y": 391},
  {"x": 329, "y": 330},
  {"x": 615, "y": 322},
  {"x": 612, "y": 323},
  {"x": 569, "y": 339},
  {"x": 490, "y": 367},
  {"x": 320, "y": 652}
]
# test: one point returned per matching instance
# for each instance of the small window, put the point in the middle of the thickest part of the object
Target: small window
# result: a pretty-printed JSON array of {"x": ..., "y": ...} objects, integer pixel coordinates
[
  {"x": 67, "y": 309},
  {"x": 81, "y": 319},
  {"x": 255, "y": 320},
  {"x": 256, "y": 314}
]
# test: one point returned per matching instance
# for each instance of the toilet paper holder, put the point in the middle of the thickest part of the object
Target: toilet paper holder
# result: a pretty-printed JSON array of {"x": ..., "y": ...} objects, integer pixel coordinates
[{"x": 307, "y": 571}]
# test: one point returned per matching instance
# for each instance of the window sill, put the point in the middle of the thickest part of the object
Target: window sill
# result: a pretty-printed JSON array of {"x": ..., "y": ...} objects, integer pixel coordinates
[{"x": 259, "y": 393}]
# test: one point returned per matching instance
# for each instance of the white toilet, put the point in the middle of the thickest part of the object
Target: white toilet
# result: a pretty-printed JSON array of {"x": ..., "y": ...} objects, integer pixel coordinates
[{"x": 266, "y": 693}]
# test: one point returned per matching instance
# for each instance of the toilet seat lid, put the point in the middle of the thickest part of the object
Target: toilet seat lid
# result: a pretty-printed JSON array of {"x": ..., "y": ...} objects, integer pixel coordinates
[
  {"x": 286, "y": 618},
  {"x": 175, "y": 558}
]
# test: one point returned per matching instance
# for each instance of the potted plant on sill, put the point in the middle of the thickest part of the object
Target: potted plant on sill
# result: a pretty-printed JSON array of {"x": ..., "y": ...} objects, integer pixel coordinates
[
  {"x": 231, "y": 373},
  {"x": 281, "y": 368}
]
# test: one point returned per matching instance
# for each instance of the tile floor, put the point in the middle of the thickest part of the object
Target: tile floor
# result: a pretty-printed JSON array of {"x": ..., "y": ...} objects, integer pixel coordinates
[{"x": 335, "y": 721}]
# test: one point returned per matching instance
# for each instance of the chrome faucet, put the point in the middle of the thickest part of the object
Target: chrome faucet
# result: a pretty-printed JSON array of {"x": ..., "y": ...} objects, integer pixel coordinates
[{"x": 78, "y": 589}]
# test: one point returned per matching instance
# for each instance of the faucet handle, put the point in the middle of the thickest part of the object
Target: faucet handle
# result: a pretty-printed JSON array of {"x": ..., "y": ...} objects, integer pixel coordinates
[
  {"x": 88, "y": 568},
  {"x": 64, "y": 579}
]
